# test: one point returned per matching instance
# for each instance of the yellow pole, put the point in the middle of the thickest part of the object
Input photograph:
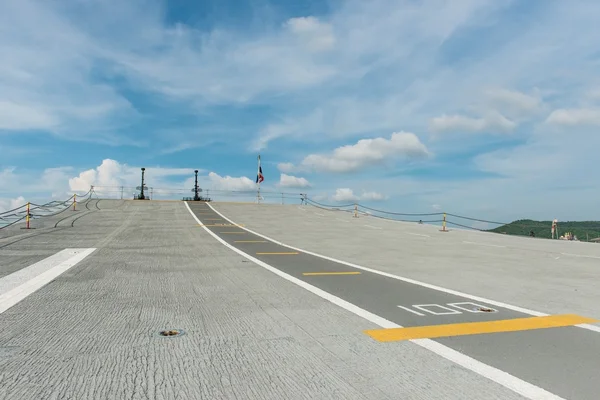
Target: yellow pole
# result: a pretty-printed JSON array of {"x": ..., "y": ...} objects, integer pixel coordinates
[
  {"x": 355, "y": 211},
  {"x": 74, "y": 201},
  {"x": 27, "y": 217},
  {"x": 444, "y": 224}
]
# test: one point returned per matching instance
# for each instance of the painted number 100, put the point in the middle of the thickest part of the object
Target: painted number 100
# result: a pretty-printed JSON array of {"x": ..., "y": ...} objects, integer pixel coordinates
[{"x": 448, "y": 308}]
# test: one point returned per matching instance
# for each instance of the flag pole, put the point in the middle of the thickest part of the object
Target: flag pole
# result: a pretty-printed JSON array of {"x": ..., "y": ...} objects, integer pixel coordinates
[{"x": 258, "y": 181}]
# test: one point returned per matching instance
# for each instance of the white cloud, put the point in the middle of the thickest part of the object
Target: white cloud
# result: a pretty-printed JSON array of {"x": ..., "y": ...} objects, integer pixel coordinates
[
  {"x": 229, "y": 66},
  {"x": 293, "y": 181},
  {"x": 10, "y": 204},
  {"x": 268, "y": 134},
  {"x": 342, "y": 117},
  {"x": 317, "y": 35},
  {"x": 346, "y": 194},
  {"x": 366, "y": 152},
  {"x": 492, "y": 122},
  {"x": 15, "y": 116},
  {"x": 230, "y": 183},
  {"x": 499, "y": 110},
  {"x": 373, "y": 196},
  {"x": 285, "y": 167},
  {"x": 45, "y": 78},
  {"x": 574, "y": 117},
  {"x": 514, "y": 103},
  {"x": 51, "y": 181},
  {"x": 111, "y": 174}
]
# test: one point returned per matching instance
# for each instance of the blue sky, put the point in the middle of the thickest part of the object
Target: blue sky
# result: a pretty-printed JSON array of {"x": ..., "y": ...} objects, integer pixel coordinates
[{"x": 483, "y": 108}]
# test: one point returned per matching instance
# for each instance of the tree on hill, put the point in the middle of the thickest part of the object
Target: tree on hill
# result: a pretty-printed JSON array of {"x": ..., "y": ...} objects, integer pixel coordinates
[{"x": 584, "y": 230}]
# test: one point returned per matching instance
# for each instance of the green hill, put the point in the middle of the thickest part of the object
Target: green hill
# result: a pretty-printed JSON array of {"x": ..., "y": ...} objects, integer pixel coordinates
[{"x": 582, "y": 229}]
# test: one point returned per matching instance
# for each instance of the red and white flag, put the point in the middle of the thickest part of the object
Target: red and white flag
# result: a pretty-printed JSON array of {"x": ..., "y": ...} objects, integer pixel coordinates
[{"x": 259, "y": 175}]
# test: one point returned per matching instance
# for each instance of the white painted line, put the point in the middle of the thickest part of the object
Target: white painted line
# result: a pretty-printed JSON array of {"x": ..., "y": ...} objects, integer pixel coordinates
[
  {"x": 483, "y": 244},
  {"x": 579, "y": 255},
  {"x": 18, "y": 285},
  {"x": 409, "y": 280},
  {"x": 412, "y": 311},
  {"x": 590, "y": 327},
  {"x": 417, "y": 234},
  {"x": 471, "y": 310},
  {"x": 423, "y": 307},
  {"x": 511, "y": 382},
  {"x": 374, "y": 227}
]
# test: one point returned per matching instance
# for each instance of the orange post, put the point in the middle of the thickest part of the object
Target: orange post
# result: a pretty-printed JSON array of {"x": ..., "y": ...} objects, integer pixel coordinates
[
  {"x": 27, "y": 217},
  {"x": 444, "y": 224}
]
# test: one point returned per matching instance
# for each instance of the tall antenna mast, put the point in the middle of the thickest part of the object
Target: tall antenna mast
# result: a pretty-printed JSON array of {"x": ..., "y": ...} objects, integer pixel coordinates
[
  {"x": 196, "y": 196},
  {"x": 141, "y": 196}
]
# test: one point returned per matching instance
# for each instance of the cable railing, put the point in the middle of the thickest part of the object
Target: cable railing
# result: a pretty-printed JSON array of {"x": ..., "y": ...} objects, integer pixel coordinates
[
  {"x": 439, "y": 218},
  {"x": 580, "y": 231},
  {"x": 31, "y": 211}
]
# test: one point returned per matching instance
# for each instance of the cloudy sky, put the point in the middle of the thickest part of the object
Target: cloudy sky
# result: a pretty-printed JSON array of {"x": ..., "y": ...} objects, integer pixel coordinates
[{"x": 488, "y": 108}]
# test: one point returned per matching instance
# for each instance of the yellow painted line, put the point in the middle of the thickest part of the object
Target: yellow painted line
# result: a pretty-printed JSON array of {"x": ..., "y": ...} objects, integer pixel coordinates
[
  {"x": 280, "y": 254},
  {"x": 329, "y": 273},
  {"x": 476, "y": 328},
  {"x": 250, "y": 241}
]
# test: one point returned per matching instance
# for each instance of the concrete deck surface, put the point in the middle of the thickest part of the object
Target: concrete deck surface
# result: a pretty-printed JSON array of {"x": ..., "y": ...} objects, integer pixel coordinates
[{"x": 92, "y": 332}]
